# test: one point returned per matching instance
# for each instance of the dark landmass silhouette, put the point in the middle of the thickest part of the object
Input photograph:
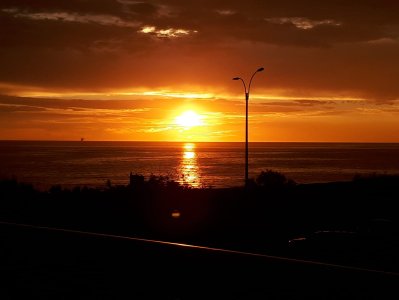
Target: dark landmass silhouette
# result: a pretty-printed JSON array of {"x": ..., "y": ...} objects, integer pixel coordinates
[{"x": 353, "y": 224}]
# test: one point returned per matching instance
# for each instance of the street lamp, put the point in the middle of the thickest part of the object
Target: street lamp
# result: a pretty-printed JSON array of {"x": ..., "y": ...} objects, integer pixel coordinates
[{"x": 246, "y": 119}]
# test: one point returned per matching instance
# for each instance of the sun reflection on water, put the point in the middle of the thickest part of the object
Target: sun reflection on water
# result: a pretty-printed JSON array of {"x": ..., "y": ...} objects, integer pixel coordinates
[{"x": 189, "y": 170}]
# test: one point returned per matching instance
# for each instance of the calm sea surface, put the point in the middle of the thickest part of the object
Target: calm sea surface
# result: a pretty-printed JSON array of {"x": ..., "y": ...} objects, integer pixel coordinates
[{"x": 197, "y": 164}]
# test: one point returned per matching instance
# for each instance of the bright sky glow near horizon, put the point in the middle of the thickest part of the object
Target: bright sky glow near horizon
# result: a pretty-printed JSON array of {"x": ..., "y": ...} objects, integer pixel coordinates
[{"x": 162, "y": 70}]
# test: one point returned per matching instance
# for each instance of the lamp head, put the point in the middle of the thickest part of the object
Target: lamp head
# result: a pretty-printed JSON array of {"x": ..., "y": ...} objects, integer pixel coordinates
[
  {"x": 260, "y": 69},
  {"x": 236, "y": 78}
]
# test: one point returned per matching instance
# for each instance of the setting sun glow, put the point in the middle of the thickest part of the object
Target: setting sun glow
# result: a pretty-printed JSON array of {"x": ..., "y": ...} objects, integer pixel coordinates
[{"x": 189, "y": 119}]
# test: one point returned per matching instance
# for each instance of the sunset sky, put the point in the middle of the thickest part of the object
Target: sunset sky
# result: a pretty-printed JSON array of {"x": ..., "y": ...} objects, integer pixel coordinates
[{"x": 162, "y": 70}]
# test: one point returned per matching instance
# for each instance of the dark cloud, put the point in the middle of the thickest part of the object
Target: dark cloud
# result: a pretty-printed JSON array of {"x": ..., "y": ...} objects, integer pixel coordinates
[
  {"x": 304, "y": 102},
  {"x": 6, "y": 109},
  {"x": 250, "y": 20},
  {"x": 11, "y": 101},
  {"x": 335, "y": 47},
  {"x": 80, "y": 6},
  {"x": 275, "y": 22}
]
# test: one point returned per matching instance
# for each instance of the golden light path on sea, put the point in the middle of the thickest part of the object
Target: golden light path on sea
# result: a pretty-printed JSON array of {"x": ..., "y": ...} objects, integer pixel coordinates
[{"x": 189, "y": 169}]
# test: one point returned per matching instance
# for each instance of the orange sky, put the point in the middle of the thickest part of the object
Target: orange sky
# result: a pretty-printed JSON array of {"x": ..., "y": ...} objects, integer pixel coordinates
[{"x": 125, "y": 70}]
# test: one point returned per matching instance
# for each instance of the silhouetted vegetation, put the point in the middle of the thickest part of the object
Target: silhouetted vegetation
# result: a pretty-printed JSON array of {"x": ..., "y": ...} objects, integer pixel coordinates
[
  {"x": 272, "y": 179},
  {"x": 262, "y": 218}
]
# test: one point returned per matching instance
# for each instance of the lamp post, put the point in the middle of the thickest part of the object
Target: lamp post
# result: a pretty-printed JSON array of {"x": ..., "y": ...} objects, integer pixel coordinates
[{"x": 246, "y": 91}]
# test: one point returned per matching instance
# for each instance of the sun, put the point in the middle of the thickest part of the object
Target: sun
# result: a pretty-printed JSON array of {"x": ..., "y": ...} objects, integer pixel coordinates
[{"x": 189, "y": 119}]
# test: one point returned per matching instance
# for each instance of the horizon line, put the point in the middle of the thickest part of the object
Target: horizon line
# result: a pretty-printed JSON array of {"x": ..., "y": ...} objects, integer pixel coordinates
[{"x": 198, "y": 142}]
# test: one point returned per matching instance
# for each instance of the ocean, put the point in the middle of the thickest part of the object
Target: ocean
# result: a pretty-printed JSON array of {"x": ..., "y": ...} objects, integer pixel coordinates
[{"x": 89, "y": 163}]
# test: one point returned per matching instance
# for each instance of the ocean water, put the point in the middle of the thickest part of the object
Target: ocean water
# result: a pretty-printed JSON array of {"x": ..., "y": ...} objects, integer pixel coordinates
[{"x": 44, "y": 163}]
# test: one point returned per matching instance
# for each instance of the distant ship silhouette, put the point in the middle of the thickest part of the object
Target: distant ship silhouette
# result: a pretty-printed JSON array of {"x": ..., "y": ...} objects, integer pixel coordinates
[{"x": 82, "y": 139}]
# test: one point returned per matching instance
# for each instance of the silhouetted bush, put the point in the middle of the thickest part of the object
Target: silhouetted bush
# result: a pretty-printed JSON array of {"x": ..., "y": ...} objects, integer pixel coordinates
[
  {"x": 376, "y": 177},
  {"x": 273, "y": 179},
  {"x": 14, "y": 185},
  {"x": 108, "y": 183},
  {"x": 381, "y": 182},
  {"x": 55, "y": 189},
  {"x": 158, "y": 181}
]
